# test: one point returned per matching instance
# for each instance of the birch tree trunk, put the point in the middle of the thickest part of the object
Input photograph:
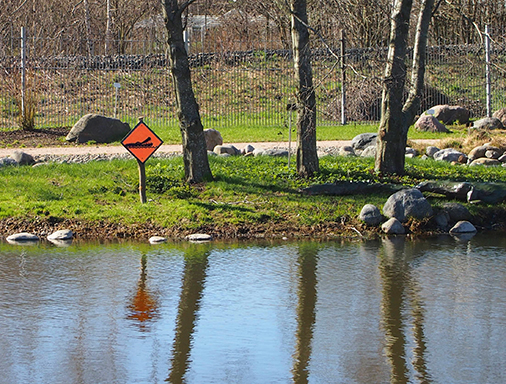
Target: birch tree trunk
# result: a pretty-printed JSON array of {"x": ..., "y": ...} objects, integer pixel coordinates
[
  {"x": 307, "y": 157},
  {"x": 397, "y": 117},
  {"x": 196, "y": 164}
]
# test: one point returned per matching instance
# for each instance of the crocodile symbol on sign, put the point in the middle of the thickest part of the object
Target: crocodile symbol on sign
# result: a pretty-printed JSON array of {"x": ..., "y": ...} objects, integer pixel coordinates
[{"x": 140, "y": 144}]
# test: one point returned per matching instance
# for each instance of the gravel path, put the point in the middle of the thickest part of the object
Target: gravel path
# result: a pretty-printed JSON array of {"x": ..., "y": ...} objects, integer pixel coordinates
[{"x": 84, "y": 153}]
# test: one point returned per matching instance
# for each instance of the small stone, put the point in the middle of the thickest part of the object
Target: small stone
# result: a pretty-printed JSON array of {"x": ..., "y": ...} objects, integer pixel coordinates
[
  {"x": 199, "y": 237},
  {"x": 369, "y": 151},
  {"x": 463, "y": 227},
  {"x": 431, "y": 150},
  {"x": 346, "y": 150},
  {"x": 393, "y": 227},
  {"x": 157, "y": 240},
  {"x": 23, "y": 236},
  {"x": 247, "y": 149},
  {"x": 485, "y": 161},
  {"x": 62, "y": 234},
  {"x": 370, "y": 215}
]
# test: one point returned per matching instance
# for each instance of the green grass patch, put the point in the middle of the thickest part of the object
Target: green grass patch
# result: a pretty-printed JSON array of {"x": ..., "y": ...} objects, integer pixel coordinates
[{"x": 245, "y": 191}]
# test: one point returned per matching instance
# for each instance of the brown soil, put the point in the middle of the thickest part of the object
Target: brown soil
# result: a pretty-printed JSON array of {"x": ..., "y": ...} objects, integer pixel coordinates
[
  {"x": 19, "y": 138},
  {"x": 108, "y": 231}
]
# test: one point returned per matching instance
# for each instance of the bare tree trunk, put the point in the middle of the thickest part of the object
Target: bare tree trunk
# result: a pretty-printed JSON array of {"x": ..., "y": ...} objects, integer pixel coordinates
[
  {"x": 108, "y": 26},
  {"x": 307, "y": 157},
  {"x": 87, "y": 23},
  {"x": 196, "y": 164},
  {"x": 396, "y": 117}
]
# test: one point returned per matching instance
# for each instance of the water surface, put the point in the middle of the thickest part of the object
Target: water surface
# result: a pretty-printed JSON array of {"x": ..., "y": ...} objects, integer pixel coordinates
[{"x": 387, "y": 311}]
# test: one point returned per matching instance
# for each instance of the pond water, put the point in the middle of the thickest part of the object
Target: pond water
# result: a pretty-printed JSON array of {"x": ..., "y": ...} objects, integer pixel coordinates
[{"x": 385, "y": 311}]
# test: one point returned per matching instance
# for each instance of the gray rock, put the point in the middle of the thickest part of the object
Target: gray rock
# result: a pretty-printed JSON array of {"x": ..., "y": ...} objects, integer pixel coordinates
[
  {"x": 431, "y": 150},
  {"x": 428, "y": 123},
  {"x": 198, "y": 237},
  {"x": 213, "y": 138},
  {"x": 502, "y": 159},
  {"x": 157, "y": 240},
  {"x": 501, "y": 115},
  {"x": 407, "y": 203},
  {"x": 463, "y": 227},
  {"x": 364, "y": 140},
  {"x": 247, "y": 149},
  {"x": 393, "y": 227},
  {"x": 4, "y": 161},
  {"x": 493, "y": 153},
  {"x": 22, "y": 236},
  {"x": 369, "y": 151},
  {"x": 22, "y": 158},
  {"x": 490, "y": 193},
  {"x": 226, "y": 150},
  {"x": 478, "y": 152},
  {"x": 442, "y": 220},
  {"x": 98, "y": 128},
  {"x": 488, "y": 123},
  {"x": 411, "y": 152},
  {"x": 346, "y": 150},
  {"x": 450, "y": 155},
  {"x": 450, "y": 114},
  {"x": 370, "y": 215},
  {"x": 485, "y": 161},
  {"x": 457, "y": 212},
  {"x": 343, "y": 188},
  {"x": 271, "y": 152},
  {"x": 62, "y": 234}
]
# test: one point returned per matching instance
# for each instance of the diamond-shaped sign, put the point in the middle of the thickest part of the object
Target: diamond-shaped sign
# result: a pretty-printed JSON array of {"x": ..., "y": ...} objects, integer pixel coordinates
[{"x": 141, "y": 142}]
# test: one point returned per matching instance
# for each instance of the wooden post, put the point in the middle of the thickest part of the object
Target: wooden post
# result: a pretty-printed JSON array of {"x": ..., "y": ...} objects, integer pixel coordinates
[{"x": 142, "y": 181}]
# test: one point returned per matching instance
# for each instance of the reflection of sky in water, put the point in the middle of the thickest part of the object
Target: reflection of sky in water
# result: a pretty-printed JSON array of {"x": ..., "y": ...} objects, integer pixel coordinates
[{"x": 99, "y": 315}]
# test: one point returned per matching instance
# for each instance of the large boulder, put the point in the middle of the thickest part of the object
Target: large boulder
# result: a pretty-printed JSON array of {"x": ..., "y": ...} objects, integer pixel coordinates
[
  {"x": 213, "y": 138},
  {"x": 449, "y": 114},
  {"x": 501, "y": 115},
  {"x": 22, "y": 158},
  {"x": 364, "y": 140},
  {"x": 450, "y": 155},
  {"x": 428, "y": 123},
  {"x": 488, "y": 123},
  {"x": 478, "y": 152},
  {"x": 407, "y": 203},
  {"x": 98, "y": 128}
]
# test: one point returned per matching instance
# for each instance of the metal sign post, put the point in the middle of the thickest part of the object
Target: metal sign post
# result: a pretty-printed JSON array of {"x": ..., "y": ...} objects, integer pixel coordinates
[
  {"x": 117, "y": 86},
  {"x": 141, "y": 142}
]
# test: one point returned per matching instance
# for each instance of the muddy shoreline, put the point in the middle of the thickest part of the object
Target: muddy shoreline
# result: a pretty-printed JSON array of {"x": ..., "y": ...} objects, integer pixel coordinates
[{"x": 488, "y": 219}]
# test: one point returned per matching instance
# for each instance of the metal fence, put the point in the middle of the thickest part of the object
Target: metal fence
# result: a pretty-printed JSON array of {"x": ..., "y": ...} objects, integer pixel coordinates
[{"x": 240, "y": 88}]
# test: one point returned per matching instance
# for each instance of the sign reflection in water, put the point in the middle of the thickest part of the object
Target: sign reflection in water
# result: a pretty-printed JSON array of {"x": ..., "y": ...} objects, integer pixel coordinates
[{"x": 390, "y": 311}]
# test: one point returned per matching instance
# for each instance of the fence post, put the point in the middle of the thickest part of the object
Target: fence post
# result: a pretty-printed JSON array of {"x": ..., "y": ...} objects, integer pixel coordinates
[
  {"x": 343, "y": 79},
  {"x": 23, "y": 71},
  {"x": 487, "y": 71}
]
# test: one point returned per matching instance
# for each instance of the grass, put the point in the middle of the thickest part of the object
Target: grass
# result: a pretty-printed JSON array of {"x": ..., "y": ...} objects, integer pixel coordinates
[
  {"x": 247, "y": 192},
  {"x": 254, "y": 132}
]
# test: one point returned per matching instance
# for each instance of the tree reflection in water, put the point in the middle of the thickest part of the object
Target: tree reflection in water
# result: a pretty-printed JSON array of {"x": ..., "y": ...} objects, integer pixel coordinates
[
  {"x": 400, "y": 291},
  {"x": 306, "y": 310},
  {"x": 194, "y": 275},
  {"x": 143, "y": 307}
]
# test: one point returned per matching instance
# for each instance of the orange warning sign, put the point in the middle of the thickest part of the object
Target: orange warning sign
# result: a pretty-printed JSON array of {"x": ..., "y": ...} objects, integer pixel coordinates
[{"x": 141, "y": 142}]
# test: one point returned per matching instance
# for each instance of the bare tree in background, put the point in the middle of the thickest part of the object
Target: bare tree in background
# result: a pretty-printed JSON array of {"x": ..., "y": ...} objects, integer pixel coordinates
[
  {"x": 307, "y": 156},
  {"x": 196, "y": 164},
  {"x": 396, "y": 116}
]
